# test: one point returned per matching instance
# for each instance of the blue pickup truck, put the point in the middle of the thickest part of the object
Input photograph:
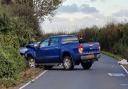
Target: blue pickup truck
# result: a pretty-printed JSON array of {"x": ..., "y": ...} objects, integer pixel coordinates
[{"x": 62, "y": 49}]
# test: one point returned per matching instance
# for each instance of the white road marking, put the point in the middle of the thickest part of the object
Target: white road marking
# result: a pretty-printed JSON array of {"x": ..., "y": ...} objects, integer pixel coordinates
[
  {"x": 124, "y": 69},
  {"x": 124, "y": 84},
  {"x": 119, "y": 74},
  {"x": 116, "y": 74},
  {"x": 33, "y": 79}
]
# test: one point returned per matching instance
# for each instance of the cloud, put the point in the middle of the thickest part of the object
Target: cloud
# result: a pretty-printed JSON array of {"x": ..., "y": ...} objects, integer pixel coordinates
[
  {"x": 68, "y": 9},
  {"x": 70, "y": 25},
  {"x": 77, "y": 14},
  {"x": 121, "y": 13},
  {"x": 85, "y": 8},
  {"x": 72, "y": 22},
  {"x": 93, "y": 0},
  {"x": 97, "y": 0}
]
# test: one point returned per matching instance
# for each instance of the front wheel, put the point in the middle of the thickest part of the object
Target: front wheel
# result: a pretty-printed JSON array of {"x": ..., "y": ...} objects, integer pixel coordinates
[
  {"x": 31, "y": 62},
  {"x": 86, "y": 65},
  {"x": 68, "y": 63}
]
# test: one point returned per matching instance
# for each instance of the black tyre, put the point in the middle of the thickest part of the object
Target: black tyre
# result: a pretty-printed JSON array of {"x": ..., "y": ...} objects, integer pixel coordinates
[
  {"x": 68, "y": 63},
  {"x": 86, "y": 65},
  {"x": 48, "y": 67},
  {"x": 31, "y": 62}
]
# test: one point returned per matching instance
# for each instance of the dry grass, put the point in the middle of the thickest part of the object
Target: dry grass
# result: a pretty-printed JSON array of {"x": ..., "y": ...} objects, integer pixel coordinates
[{"x": 25, "y": 76}]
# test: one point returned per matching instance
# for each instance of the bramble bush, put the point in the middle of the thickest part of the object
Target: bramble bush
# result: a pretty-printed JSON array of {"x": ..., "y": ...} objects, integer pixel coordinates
[{"x": 11, "y": 63}]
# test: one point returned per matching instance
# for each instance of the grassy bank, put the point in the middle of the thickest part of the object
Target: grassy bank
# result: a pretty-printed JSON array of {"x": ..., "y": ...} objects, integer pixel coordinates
[
  {"x": 25, "y": 75},
  {"x": 117, "y": 57}
]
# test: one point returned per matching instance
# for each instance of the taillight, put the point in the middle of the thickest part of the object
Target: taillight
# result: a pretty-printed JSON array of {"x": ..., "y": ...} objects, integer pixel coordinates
[
  {"x": 99, "y": 48},
  {"x": 81, "y": 48}
]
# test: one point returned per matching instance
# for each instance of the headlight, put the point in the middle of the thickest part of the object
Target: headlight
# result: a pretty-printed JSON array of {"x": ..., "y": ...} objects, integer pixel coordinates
[{"x": 23, "y": 50}]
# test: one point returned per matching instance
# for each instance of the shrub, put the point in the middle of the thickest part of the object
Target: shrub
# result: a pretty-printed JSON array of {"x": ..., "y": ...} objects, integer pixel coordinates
[{"x": 11, "y": 63}]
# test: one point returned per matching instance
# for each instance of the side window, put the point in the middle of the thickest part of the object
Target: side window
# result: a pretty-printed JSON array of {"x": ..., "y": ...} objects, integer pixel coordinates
[
  {"x": 54, "y": 41},
  {"x": 69, "y": 39},
  {"x": 45, "y": 43}
]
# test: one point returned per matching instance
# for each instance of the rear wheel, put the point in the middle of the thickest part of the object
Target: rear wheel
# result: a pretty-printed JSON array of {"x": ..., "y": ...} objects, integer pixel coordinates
[
  {"x": 86, "y": 65},
  {"x": 68, "y": 63}
]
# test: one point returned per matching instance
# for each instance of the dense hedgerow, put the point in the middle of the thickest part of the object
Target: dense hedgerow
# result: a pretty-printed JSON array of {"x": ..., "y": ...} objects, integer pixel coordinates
[
  {"x": 19, "y": 25},
  {"x": 112, "y": 37},
  {"x": 11, "y": 63}
]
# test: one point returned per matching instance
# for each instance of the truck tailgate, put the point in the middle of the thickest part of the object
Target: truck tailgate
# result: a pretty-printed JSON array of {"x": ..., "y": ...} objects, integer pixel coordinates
[{"x": 91, "y": 48}]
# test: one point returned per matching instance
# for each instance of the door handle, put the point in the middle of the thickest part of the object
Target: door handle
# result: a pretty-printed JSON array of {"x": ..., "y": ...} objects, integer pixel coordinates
[
  {"x": 56, "y": 47},
  {"x": 45, "y": 49}
]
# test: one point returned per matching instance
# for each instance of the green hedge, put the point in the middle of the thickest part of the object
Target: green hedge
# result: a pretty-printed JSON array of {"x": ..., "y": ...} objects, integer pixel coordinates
[
  {"x": 112, "y": 37},
  {"x": 11, "y": 63},
  {"x": 7, "y": 66}
]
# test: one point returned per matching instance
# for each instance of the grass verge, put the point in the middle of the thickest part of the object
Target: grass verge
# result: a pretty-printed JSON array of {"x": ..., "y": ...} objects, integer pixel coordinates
[
  {"x": 25, "y": 76},
  {"x": 117, "y": 57}
]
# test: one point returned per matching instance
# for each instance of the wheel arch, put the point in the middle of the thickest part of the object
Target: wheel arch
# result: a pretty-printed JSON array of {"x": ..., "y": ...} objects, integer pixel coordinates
[
  {"x": 30, "y": 54},
  {"x": 66, "y": 53},
  {"x": 72, "y": 64}
]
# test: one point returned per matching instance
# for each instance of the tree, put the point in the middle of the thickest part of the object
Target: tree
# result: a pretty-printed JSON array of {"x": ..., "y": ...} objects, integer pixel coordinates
[
  {"x": 6, "y": 1},
  {"x": 26, "y": 15}
]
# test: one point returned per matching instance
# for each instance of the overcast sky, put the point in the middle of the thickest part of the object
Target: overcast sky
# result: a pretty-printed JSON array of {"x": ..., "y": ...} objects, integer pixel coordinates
[{"x": 73, "y": 15}]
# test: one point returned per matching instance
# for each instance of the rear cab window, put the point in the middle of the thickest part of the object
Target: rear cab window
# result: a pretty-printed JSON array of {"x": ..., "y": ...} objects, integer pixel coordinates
[{"x": 70, "y": 39}]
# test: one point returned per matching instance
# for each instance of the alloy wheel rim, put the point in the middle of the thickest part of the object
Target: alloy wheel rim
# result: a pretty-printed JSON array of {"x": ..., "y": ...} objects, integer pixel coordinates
[
  {"x": 67, "y": 63},
  {"x": 31, "y": 63}
]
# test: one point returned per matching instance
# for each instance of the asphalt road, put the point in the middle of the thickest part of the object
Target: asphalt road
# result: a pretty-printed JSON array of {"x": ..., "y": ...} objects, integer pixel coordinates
[{"x": 104, "y": 74}]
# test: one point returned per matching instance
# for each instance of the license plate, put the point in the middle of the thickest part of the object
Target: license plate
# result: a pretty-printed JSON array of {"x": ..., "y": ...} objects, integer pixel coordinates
[{"x": 88, "y": 57}]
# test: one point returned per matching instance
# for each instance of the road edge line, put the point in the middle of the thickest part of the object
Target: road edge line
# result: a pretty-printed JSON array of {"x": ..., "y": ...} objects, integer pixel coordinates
[
  {"x": 124, "y": 69},
  {"x": 33, "y": 79}
]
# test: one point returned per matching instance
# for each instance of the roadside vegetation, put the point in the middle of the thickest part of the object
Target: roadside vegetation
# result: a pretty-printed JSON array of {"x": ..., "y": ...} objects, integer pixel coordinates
[
  {"x": 19, "y": 25},
  {"x": 117, "y": 57},
  {"x": 112, "y": 37}
]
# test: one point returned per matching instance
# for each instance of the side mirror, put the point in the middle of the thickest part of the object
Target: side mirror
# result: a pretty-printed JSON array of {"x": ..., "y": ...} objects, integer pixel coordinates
[{"x": 37, "y": 46}]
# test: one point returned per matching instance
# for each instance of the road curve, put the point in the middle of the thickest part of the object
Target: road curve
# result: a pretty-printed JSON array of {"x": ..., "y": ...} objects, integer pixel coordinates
[{"x": 104, "y": 74}]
